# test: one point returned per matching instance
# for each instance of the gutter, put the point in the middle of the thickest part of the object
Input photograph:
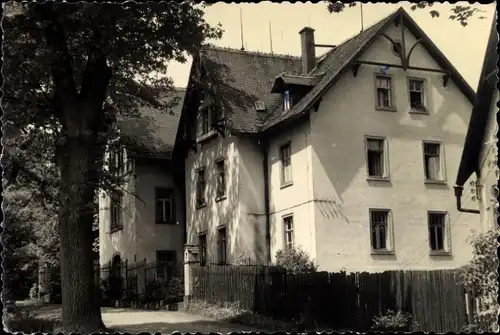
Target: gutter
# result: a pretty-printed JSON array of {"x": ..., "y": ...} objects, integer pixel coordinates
[
  {"x": 458, "y": 195},
  {"x": 265, "y": 153}
]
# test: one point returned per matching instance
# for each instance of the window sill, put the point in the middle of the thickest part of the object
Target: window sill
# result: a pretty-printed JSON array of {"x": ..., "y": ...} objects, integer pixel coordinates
[
  {"x": 114, "y": 230},
  {"x": 386, "y": 109},
  {"x": 422, "y": 111},
  {"x": 167, "y": 222},
  {"x": 373, "y": 178},
  {"x": 382, "y": 252},
  {"x": 206, "y": 137},
  {"x": 435, "y": 182},
  {"x": 287, "y": 184},
  {"x": 220, "y": 198},
  {"x": 439, "y": 253},
  {"x": 201, "y": 205}
]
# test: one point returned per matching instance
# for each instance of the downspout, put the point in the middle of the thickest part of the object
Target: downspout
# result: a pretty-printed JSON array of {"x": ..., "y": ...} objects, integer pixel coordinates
[
  {"x": 458, "y": 194},
  {"x": 265, "y": 153}
]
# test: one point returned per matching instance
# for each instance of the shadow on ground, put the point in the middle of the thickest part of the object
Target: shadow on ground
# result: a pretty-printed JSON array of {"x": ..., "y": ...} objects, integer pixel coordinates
[{"x": 204, "y": 327}]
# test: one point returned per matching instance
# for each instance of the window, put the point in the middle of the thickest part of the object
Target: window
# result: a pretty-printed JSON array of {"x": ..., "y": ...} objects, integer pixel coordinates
[
  {"x": 288, "y": 229},
  {"x": 221, "y": 178},
  {"x": 433, "y": 161},
  {"x": 286, "y": 164},
  {"x": 287, "y": 101},
  {"x": 202, "y": 246},
  {"x": 416, "y": 93},
  {"x": 380, "y": 230},
  {"x": 376, "y": 158},
  {"x": 384, "y": 98},
  {"x": 116, "y": 212},
  {"x": 221, "y": 246},
  {"x": 437, "y": 231},
  {"x": 204, "y": 121},
  {"x": 200, "y": 187},
  {"x": 165, "y": 264},
  {"x": 165, "y": 205},
  {"x": 116, "y": 161}
]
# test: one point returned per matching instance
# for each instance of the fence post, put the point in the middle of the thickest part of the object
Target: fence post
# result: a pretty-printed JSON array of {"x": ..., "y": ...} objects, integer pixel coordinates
[{"x": 190, "y": 259}]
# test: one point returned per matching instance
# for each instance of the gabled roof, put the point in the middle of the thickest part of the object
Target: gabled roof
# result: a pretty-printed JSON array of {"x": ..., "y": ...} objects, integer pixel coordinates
[
  {"x": 293, "y": 79},
  {"x": 153, "y": 133},
  {"x": 481, "y": 116},
  {"x": 343, "y": 56},
  {"x": 241, "y": 78}
]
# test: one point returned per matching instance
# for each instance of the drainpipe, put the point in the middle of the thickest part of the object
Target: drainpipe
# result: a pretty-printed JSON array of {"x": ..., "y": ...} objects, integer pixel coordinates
[
  {"x": 265, "y": 153},
  {"x": 458, "y": 194}
]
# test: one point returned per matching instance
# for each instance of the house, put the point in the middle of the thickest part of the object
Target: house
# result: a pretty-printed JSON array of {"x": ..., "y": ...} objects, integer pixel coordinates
[
  {"x": 147, "y": 222},
  {"x": 480, "y": 153},
  {"x": 347, "y": 155}
]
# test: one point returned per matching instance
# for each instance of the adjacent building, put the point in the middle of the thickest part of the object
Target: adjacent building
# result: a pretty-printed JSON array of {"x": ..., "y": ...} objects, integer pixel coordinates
[{"x": 348, "y": 155}]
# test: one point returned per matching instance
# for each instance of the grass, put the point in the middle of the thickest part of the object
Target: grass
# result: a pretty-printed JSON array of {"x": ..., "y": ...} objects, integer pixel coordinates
[{"x": 233, "y": 313}]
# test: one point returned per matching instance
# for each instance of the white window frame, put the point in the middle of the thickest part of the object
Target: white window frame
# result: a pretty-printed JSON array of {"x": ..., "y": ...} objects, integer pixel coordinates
[
  {"x": 390, "y": 90},
  {"x": 423, "y": 109},
  {"x": 446, "y": 251},
  {"x": 287, "y": 100},
  {"x": 284, "y": 182},
  {"x": 288, "y": 244},
  {"x": 442, "y": 162},
  {"x": 389, "y": 233},
  {"x": 386, "y": 176},
  {"x": 166, "y": 218}
]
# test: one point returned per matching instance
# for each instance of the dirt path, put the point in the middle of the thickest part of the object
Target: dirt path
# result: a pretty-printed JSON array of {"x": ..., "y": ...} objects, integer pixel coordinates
[{"x": 134, "y": 321}]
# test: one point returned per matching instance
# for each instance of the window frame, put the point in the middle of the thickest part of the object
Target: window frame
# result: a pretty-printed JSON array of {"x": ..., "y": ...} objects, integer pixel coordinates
[
  {"x": 160, "y": 264},
  {"x": 285, "y": 183},
  {"x": 286, "y": 243},
  {"x": 392, "y": 107},
  {"x": 287, "y": 100},
  {"x": 442, "y": 162},
  {"x": 386, "y": 175},
  {"x": 202, "y": 248},
  {"x": 424, "y": 109},
  {"x": 389, "y": 243},
  {"x": 223, "y": 195},
  {"x": 198, "y": 195},
  {"x": 172, "y": 219},
  {"x": 446, "y": 251},
  {"x": 116, "y": 218},
  {"x": 222, "y": 245}
]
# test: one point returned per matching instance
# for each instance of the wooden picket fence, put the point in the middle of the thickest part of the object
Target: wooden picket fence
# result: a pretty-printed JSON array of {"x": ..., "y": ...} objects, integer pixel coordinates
[{"x": 339, "y": 300}]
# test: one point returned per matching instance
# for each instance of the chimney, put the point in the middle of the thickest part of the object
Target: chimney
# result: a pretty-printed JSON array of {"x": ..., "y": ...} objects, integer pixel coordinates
[{"x": 308, "y": 49}]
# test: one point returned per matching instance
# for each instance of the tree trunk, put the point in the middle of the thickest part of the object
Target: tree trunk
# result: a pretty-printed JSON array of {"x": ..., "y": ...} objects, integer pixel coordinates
[{"x": 80, "y": 301}]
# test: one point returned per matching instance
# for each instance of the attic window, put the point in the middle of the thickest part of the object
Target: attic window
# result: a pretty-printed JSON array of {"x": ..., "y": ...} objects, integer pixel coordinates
[
  {"x": 260, "y": 106},
  {"x": 287, "y": 100}
]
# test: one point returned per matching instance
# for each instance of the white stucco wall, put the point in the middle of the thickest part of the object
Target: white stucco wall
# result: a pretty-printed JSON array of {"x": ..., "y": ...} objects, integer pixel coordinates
[{"x": 346, "y": 115}]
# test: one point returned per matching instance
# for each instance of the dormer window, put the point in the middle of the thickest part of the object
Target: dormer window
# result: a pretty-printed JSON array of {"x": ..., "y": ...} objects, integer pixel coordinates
[
  {"x": 260, "y": 106},
  {"x": 287, "y": 100}
]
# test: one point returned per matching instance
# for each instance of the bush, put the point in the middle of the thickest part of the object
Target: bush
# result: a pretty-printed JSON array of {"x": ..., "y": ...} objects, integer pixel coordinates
[
  {"x": 392, "y": 321},
  {"x": 294, "y": 261},
  {"x": 480, "y": 276}
]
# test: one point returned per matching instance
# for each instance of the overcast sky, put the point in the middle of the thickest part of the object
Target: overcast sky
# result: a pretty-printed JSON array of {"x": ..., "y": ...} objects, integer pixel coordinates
[{"x": 464, "y": 46}]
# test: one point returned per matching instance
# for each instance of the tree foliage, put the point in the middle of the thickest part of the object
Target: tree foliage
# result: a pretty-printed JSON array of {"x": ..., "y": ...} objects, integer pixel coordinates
[
  {"x": 295, "y": 261},
  {"x": 458, "y": 13},
  {"x": 70, "y": 71},
  {"x": 480, "y": 275}
]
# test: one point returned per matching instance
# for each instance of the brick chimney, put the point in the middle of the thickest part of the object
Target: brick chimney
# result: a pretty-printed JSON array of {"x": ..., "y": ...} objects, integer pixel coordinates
[{"x": 308, "y": 49}]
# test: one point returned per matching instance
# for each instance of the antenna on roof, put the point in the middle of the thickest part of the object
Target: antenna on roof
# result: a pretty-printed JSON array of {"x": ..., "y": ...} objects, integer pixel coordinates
[
  {"x": 270, "y": 37},
  {"x": 361, "y": 10},
  {"x": 241, "y": 29}
]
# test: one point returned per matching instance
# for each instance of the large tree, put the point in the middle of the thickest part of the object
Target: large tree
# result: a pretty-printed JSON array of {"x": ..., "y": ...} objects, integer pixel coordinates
[
  {"x": 69, "y": 69},
  {"x": 458, "y": 13}
]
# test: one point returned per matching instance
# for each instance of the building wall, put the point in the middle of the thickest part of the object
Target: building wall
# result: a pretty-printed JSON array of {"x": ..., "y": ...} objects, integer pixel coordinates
[
  {"x": 216, "y": 213},
  {"x": 295, "y": 199},
  {"x": 343, "y": 195},
  {"x": 141, "y": 237}
]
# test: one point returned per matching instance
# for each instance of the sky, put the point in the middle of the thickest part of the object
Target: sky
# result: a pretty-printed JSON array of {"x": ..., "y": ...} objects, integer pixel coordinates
[{"x": 463, "y": 46}]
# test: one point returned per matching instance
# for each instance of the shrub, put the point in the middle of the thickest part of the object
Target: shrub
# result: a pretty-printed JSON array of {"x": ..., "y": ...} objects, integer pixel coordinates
[
  {"x": 295, "y": 261},
  {"x": 480, "y": 276},
  {"x": 392, "y": 321}
]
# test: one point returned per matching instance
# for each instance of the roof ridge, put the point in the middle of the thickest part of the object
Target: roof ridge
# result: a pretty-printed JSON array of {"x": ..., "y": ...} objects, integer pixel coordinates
[{"x": 247, "y": 52}]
